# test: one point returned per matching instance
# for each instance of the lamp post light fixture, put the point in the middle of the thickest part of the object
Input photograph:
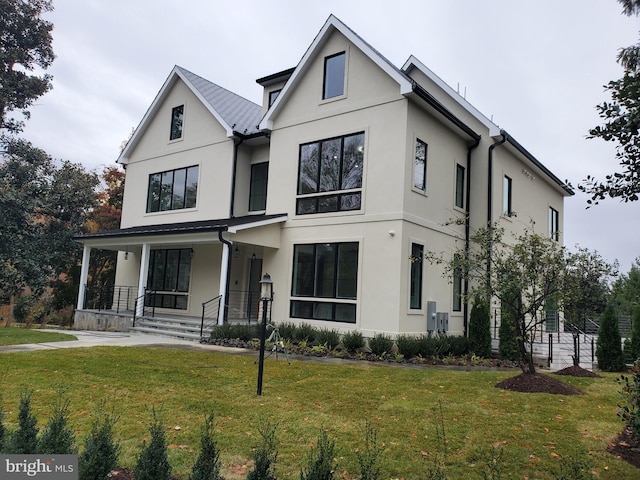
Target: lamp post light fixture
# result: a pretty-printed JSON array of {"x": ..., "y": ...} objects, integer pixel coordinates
[{"x": 266, "y": 295}]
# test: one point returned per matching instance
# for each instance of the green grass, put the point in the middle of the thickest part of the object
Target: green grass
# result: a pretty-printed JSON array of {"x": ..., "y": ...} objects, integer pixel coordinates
[
  {"x": 20, "y": 335},
  {"x": 404, "y": 405}
]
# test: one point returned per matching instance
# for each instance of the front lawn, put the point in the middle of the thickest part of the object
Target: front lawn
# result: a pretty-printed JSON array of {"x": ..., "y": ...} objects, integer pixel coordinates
[
  {"x": 419, "y": 413},
  {"x": 17, "y": 335}
]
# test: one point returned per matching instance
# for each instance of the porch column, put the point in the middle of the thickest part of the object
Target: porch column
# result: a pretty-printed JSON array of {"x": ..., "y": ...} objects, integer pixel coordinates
[
  {"x": 84, "y": 275},
  {"x": 142, "y": 280},
  {"x": 224, "y": 276}
]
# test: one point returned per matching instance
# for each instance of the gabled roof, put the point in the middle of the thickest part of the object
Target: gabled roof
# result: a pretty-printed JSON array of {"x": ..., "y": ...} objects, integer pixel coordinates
[
  {"x": 331, "y": 25},
  {"x": 237, "y": 115}
]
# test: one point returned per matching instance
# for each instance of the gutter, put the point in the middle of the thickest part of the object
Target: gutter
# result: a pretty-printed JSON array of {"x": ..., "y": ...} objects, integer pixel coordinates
[
  {"x": 467, "y": 232},
  {"x": 490, "y": 177},
  {"x": 236, "y": 144},
  {"x": 225, "y": 309}
]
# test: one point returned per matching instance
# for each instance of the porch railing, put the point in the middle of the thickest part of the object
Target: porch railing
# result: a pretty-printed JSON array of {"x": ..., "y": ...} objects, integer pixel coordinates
[
  {"x": 210, "y": 313},
  {"x": 118, "y": 298},
  {"x": 243, "y": 305}
]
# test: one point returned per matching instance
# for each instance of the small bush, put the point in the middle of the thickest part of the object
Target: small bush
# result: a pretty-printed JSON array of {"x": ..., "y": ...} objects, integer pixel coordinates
[
  {"x": 629, "y": 407},
  {"x": 353, "y": 341},
  {"x": 507, "y": 347},
  {"x": 609, "y": 344},
  {"x": 575, "y": 466},
  {"x": 236, "y": 331},
  {"x": 25, "y": 439},
  {"x": 207, "y": 466},
  {"x": 380, "y": 344},
  {"x": 22, "y": 308},
  {"x": 459, "y": 346},
  {"x": 57, "y": 437},
  {"x": 634, "y": 341},
  {"x": 153, "y": 462},
  {"x": 428, "y": 346},
  {"x": 286, "y": 330},
  {"x": 369, "y": 456},
  {"x": 265, "y": 455},
  {"x": 100, "y": 453},
  {"x": 305, "y": 333},
  {"x": 480, "y": 328},
  {"x": 3, "y": 430},
  {"x": 408, "y": 345},
  {"x": 321, "y": 464},
  {"x": 330, "y": 338}
]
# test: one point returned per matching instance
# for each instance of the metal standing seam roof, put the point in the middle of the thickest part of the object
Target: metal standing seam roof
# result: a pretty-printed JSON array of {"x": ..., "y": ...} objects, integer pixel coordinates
[{"x": 242, "y": 115}]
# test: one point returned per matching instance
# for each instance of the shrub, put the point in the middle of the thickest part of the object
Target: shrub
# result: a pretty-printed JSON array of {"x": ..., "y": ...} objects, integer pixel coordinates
[
  {"x": 286, "y": 330},
  {"x": 428, "y": 346},
  {"x": 609, "y": 344},
  {"x": 480, "y": 328},
  {"x": 25, "y": 439},
  {"x": 100, "y": 453},
  {"x": 369, "y": 456},
  {"x": 22, "y": 308},
  {"x": 153, "y": 463},
  {"x": 353, "y": 341},
  {"x": 408, "y": 346},
  {"x": 305, "y": 333},
  {"x": 380, "y": 344},
  {"x": 3, "y": 430},
  {"x": 265, "y": 455},
  {"x": 321, "y": 464},
  {"x": 57, "y": 437},
  {"x": 236, "y": 331},
  {"x": 459, "y": 346},
  {"x": 207, "y": 466},
  {"x": 634, "y": 341},
  {"x": 629, "y": 407},
  {"x": 330, "y": 338},
  {"x": 507, "y": 347}
]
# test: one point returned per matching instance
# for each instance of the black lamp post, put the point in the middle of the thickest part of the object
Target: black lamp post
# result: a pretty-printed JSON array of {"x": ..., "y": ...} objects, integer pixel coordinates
[{"x": 266, "y": 295}]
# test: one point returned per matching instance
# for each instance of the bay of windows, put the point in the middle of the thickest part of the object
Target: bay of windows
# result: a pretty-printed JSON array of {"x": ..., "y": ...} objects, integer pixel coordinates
[
  {"x": 172, "y": 190},
  {"x": 330, "y": 175},
  {"x": 325, "y": 279},
  {"x": 168, "y": 278}
]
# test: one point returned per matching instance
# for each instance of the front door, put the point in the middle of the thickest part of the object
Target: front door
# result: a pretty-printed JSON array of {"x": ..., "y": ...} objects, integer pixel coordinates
[{"x": 253, "y": 296}]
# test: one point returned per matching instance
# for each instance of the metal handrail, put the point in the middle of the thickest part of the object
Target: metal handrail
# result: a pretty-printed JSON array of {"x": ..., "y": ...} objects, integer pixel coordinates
[{"x": 208, "y": 307}]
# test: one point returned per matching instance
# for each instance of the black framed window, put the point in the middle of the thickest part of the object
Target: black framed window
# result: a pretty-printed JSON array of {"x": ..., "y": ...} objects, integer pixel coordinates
[
  {"x": 554, "y": 224},
  {"x": 420, "y": 166},
  {"x": 328, "y": 166},
  {"x": 177, "y": 121},
  {"x": 322, "y": 273},
  {"x": 507, "y": 188},
  {"x": 172, "y": 190},
  {"x": 457, "y": 287},
  {"x": 168, "y": 278},
  {"x": 258, "y": 186},
  {"x": 273, "y": 96},
  {"x": 415, "y": 290},
  {"x": 460, "y": 174},
  {"x": 334, "y": 70}
]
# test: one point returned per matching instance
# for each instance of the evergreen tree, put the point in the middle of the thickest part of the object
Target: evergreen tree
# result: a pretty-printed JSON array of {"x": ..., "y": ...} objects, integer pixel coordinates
[
  {"x": 153, "y": 463},
  {"x": 321, "y": 464},
  {"x": 480, "y": 328},
  {"x": 507, "y": 347},
  {"x": 609, "y": 345},
  {"x": 265, "y": 455},
  {"x": 207, "y": 466},
  {"x": 100, "y": 453},
  {"x": 57, "y": 437},
  {"x": 25, "y": 439},
  {"x": 634, "y": 344},
  {"x": 3, "y": 430}
]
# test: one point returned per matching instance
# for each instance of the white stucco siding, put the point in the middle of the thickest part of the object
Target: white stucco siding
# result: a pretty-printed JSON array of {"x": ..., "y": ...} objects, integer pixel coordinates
[{"x": 204, "y": 143}]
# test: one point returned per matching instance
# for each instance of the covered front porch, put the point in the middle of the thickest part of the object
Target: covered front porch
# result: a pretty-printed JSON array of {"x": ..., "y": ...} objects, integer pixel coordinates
[{"x": 208, "y": 270}]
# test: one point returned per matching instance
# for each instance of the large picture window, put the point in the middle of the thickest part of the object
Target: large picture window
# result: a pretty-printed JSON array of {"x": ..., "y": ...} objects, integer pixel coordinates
[
  {"x": 258, "y": 187},
  {"x": 334, "y": 69},
  {"x": 327, "y": 275},
  {"x": 168, "y": 278},
  {"x": 330, "y": 175},
  {"x": 172, "y": 190}
]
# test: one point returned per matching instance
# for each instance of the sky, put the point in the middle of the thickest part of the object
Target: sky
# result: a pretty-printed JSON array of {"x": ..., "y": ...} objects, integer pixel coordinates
[{"x": 537, "y": 68}]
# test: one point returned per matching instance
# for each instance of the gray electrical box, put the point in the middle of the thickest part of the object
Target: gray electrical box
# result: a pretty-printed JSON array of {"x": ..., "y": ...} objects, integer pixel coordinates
[
  {"x": 443, "y": 322},
  {"x": 431, "y": 316}
]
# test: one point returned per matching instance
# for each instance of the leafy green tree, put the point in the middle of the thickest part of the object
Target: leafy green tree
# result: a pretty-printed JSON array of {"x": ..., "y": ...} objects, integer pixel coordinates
[
  {"x": 480, "y": 328},
  {"x": 609, "y": 343},
  {"x": 626, "y": 289},
  {"x": 207, "y": 466},
  {"x": 634, "y": 341},
  {"x": 153, "y": 462},
  {"x": 621, "y": 116},
  {"x": 100, "y": 450},
  {"x": 57, "y": 437},
  {"x": 24, "y": 440},
  {"x": 25, "y": 46}
]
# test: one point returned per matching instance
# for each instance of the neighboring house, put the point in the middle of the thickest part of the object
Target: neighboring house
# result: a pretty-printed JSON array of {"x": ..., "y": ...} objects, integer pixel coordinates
[{"x": 336, "y": 185}]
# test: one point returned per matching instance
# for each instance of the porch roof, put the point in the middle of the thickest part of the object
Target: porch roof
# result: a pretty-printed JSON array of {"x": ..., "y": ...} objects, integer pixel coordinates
[{"x": 231, "y": 225}]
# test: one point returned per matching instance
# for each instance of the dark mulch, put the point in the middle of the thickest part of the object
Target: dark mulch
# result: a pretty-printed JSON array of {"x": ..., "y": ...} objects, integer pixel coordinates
[
  {"x": 121, "y": 474},
  {"x": 577, "y": 372},
  {"x": 626, "y": 448},
  {"x": 537, "y": 383}
]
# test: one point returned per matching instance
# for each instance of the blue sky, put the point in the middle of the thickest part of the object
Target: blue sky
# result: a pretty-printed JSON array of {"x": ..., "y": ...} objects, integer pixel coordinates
[{"x": 536, "y": 67}]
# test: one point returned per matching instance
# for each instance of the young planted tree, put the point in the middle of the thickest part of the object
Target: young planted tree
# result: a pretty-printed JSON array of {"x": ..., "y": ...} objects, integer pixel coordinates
[
  {"x": 265, "y": 454},
  {"x": 153, "y": 462},
  {"x": 480, "y": 328},
  {"x": 321, "y": 464},
  {"x": 609, "y": 344},
  {"x": 24, "y": 440},
  {"x": 3, "y": 429},
  {"x": 57, "y": 437},
  {"x": 207, "y": 466},
  {"x": 99, "y": 455}
]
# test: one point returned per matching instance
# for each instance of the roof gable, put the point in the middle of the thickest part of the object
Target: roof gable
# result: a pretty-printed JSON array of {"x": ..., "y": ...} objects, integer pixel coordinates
[
  {"x": 235, "y": 114},
  {"x": 333, "y": 24}
]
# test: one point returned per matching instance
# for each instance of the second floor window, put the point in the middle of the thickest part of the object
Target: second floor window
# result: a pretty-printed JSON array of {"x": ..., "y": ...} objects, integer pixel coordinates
[
  {"x": 554, "y": 224},
  {"x": 330, "y": 175},
  {"x": 460, "y": 171},
  {"x": 506, "y": 196},
  {"x": 172, "y": 190},
  {"x": 420, "y": 166},
  {"x": 334, "y": 70},
  {"x": 177, "y": 118},
  {"x": 258, "y": 187}
]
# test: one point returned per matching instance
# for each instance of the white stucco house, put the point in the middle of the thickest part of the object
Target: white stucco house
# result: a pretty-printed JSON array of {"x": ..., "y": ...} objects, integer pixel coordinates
[{"x": 335, "y": 185}]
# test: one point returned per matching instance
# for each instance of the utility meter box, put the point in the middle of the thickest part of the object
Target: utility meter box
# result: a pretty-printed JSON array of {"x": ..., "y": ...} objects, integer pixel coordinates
[
  {"x": 442, "y": 319},
  {"x": 431, "y": 316}
]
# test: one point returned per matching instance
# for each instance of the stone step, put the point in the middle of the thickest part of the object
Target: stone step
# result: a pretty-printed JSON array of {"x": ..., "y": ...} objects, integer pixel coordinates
[{"x": 169, "y": 333}]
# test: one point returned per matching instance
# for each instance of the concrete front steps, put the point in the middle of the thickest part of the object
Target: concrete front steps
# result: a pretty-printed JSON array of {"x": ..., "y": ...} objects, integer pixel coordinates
[{"x": 186, "y": 328}]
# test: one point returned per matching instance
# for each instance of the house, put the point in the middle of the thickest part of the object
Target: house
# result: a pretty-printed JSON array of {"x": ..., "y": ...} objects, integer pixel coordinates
[{"x": 336, "y": 185}]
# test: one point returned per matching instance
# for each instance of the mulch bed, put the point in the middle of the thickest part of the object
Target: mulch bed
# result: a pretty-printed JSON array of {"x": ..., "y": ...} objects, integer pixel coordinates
[
  {"x": 537, "y": 383},
  {"x": 626, "y": 448},
  {"x": 577, "y": 372}
]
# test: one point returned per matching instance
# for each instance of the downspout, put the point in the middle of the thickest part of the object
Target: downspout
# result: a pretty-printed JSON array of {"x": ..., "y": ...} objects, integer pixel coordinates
[
  {"x": 236, "y": 143},
  {"x": 490, "y": 196},
  {"x": 228, "y": 245},
  {"x": 467, "y": 233}
]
